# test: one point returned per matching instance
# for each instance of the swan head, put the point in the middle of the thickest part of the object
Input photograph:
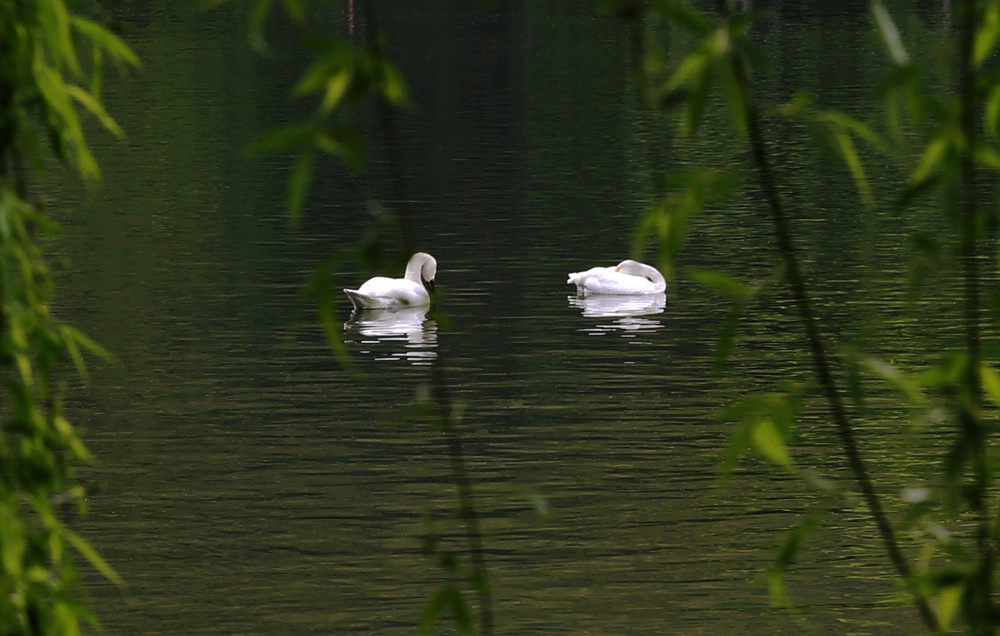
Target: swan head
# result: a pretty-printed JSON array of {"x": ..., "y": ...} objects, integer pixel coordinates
[{"x": 422, "y": 269}]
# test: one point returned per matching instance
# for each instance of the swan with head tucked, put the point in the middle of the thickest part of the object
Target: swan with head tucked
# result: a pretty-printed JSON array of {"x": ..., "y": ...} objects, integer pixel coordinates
[
  {"x": 395, "y": 293},
  {"x": 627, "y": 278}
]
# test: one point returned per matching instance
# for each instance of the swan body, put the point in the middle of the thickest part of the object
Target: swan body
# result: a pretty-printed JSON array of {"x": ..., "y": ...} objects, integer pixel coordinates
[
  {"x": 396, "y": 293},
  {"x": 627, "y": 278}
]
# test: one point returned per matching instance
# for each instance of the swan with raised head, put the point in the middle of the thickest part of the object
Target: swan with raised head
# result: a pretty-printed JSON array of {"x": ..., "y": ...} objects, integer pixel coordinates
[
  {"x": 394, "y": 293},
  {"x": 627, "y": 278}
]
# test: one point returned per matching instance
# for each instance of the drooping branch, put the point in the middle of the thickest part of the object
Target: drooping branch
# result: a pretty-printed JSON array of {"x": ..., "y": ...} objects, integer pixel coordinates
[
  {"x": 447, "y": 415},
  {"x": 818, "y": 350}
]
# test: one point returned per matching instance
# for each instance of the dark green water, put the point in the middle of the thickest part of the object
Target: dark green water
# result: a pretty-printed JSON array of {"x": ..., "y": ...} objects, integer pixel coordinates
[{"x": 251, "y": 486}]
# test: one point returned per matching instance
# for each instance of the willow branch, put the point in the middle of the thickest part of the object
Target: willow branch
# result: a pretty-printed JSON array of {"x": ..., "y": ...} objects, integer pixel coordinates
[
  {"x": 466, "y": 508},
  {"x": 817, "y": 348}
]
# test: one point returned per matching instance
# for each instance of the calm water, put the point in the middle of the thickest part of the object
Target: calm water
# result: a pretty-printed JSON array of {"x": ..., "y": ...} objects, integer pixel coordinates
[{"x": 251, "y": 486}]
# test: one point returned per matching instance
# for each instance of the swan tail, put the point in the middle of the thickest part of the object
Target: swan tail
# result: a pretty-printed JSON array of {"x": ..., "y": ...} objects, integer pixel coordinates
[{"x": 363, "y": 301}]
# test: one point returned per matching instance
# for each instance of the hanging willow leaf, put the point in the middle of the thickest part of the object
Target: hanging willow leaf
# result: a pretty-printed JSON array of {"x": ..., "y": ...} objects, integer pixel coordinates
[
  {"x": 298, "y": 185},
  {"x": 788, "y": 552},
  {"x": 987, "y": 34},
  {"x": 890, "y": 34}
]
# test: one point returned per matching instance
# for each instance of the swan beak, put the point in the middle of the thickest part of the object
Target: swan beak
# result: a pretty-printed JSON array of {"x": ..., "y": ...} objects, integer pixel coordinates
[
  {"x": 429, "y": 284},
  {"x": 618, "y": 269}
]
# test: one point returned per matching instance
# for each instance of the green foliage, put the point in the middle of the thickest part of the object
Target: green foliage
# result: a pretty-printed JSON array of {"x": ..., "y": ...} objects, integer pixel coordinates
[
  {"x": 44, "y": 86},
  {"x": 342, "y": 76}
]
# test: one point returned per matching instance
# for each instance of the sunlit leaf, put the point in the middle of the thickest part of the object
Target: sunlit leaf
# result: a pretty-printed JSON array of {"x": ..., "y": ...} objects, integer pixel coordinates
[
  {"x": 930, "y": 162},
  {"x": 910, "y": 388},
  {"x": 987, "y": 156},
  {"x": 55, "y": 20},
  {"x": 769, "y": 443},
  {"x": 92, "y": 557},
  {"x": 987, "y": 34},
  {"x": 336, "y": 87},
  {"x": 991, "y": 112},
  {"x": 391, "y": 84},
  {"x": 690, "y": 67},
  {"x": 850, "y": 157},
  {"x": 94, "y": 106},
  {"x": 105, "y": 40},
  {"x": 949, "y": 600},
  {"x": 990, "y": 380},
  {"x": 890, "y": 34}
]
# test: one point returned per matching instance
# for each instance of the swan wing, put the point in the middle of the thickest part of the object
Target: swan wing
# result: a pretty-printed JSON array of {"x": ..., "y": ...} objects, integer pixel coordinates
[
  {"x": 606, "y": 280},
  {"x": 388, "y": 293}
]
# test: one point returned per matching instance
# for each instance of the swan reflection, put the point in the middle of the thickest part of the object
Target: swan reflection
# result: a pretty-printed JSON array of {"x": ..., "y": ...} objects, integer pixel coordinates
[
  {"x": 394, "y": 334},
  {"x": 627, "y": 310}
]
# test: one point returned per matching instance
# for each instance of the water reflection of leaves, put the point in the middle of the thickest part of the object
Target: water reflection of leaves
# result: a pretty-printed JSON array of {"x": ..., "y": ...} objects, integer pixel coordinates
[
  {"x": 627, "y": 309},
  {"x": 406, "y": 333}
]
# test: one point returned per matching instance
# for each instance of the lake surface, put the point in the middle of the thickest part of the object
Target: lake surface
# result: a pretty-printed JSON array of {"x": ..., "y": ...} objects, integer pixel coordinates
[{"x": 252, "y": 486}]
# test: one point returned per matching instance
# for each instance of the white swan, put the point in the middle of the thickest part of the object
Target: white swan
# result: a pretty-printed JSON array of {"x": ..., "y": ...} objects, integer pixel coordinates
[
  {"x": 393, "y": 293},
  {"x": 628, "y": 278}
]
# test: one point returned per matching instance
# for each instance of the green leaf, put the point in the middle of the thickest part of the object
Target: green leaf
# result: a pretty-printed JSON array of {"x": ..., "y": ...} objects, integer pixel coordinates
[
  {"x": 258, "y": 17},
  {"x": 991, "y": 112},
  {"x": 990, "y": 380},
  {"x": 890, "y": 34},
  {"x": 72, "y": 339},
  {"x": 105, "y": 40},
  {"x": 737, "y": 100},
  {"x": 336, "y": 88},
  {"x": 987, "y": 34},
  {"x": 285, "y": 138},
  {"x": 296, "y": 10},
  {"x": 768, "y": 441},
  {"x": 298, "y": 186},
  {"x": 92, "y": 557},
  {"x": 843, "y": 121},
  {"x": 949, "y": 600},
  {"x": 850, "y": 157},
  {"x": 447, "y": 598},
  {"x": 911, "y": 390},
  {"x": 787, "y": 553},
  {"x": 315, "y": 78},
  {"x": 321, "y": 288},
  {"x": 89, "y": 102},
  {"x": 391, "y": 84},
  {"x": 54, "y": 19},
  {"x": 721, "y": 283},
  {"x": 932, "y": 159},
  {"x": 987, "y": 157}
]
